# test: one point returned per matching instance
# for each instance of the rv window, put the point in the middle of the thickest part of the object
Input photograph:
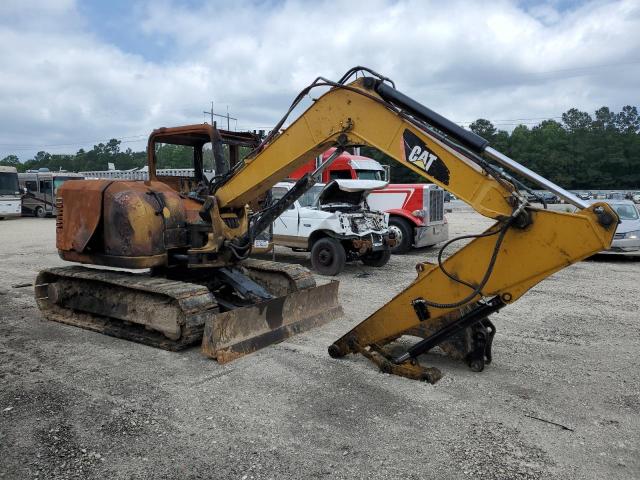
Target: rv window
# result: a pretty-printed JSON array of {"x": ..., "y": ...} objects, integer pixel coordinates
[
  {"x": 45, "y": 186},
  {"x": 32, "y": 186}
]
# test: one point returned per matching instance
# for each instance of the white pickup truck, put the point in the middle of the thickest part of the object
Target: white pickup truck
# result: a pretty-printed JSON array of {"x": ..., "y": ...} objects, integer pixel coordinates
[{"x": 334, "y": 223}]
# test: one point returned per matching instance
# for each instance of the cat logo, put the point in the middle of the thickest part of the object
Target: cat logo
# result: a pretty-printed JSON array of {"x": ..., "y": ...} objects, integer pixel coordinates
[
  {"x": 423, "y": 158},
  {"x": 417, "y": 153}
]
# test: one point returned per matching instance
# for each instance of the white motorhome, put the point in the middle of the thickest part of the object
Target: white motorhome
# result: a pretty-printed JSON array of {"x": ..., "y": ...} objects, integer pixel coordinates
[
  {"x": 10, "y": 198},
  {"x": 41, "y": 187}
]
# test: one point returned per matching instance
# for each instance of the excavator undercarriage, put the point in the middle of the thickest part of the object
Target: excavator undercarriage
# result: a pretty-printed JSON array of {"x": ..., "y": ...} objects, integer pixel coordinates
[{"x": 172, "y": 312}]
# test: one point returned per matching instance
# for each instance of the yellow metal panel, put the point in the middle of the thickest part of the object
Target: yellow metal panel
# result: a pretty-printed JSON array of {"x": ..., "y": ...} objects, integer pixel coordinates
[
  {"x": 553, "y": 241},
  {"x": 365, "y": 121}
]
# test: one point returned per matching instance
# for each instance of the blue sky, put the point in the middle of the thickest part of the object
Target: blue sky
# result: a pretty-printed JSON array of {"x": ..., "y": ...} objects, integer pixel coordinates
[
  {"x": 78, "y": 72},
  {"x": 116, "y": 22}
]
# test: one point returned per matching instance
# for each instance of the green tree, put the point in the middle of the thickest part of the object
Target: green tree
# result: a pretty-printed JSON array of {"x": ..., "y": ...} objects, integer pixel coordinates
[
  {"x": 10, "y": 161},
  {"x": 605, "y": 119},
  {"x": 627, "y": 121},
  {"x": 484, "y": 128},
  {"x": 576, "y": 120}
]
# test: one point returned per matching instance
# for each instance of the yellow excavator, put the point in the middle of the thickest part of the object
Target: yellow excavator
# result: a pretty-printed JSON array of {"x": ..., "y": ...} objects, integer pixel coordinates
[{"x": 195, "y": 234}]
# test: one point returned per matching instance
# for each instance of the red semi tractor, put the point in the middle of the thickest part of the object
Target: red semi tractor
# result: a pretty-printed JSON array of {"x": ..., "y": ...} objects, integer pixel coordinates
[{"x": 416, "y": 211}]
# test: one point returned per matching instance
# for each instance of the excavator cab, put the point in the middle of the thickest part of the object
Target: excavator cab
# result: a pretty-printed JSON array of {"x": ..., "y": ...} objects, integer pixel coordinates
[{"x": 210, "y": 152}]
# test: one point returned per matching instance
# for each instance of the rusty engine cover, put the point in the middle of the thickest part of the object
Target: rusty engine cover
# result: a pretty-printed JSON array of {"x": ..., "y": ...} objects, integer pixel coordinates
[{"x": 128, "y": 224}]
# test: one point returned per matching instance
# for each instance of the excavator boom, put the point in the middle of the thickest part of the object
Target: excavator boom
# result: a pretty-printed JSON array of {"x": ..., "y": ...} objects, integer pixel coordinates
[{"x": 448, "y": 304}]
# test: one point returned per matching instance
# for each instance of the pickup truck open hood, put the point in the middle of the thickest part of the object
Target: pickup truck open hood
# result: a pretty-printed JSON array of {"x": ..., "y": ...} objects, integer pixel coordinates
[{"x": 352, "y": 192}]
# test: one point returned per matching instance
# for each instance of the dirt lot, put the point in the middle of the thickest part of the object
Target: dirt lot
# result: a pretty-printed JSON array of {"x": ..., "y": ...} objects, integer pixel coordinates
[{"x": 76, "y": 404}]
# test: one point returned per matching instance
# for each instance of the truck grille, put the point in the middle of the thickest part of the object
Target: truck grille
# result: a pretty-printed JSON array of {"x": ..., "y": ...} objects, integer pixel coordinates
[
  {"x": 363, "y": 223},
  {"x": 618, "y": 236},
  {"x": 436, "y": 205}
]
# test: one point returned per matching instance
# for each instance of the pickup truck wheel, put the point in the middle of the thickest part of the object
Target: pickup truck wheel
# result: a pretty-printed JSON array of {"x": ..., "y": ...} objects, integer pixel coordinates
[
  {"x": 377, "y": 259},
  {"x": 403, "y": 231},
  {"x": 328, "y": 256},
  {"x": 40, "y": 213}
]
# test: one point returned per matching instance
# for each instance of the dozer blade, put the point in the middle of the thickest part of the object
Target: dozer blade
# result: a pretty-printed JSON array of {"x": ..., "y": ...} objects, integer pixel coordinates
[{"x": 238, "y": 332}]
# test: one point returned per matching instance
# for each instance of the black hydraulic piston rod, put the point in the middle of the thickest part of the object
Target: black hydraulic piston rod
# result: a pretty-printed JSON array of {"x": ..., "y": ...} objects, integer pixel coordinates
[
  {"x": 476, "y": 315},
  {"x": 269, "y": 215},
  {"x": 466, "y": 138}
]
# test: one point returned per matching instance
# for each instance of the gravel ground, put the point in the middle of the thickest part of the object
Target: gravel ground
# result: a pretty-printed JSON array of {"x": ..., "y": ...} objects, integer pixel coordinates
[{"x": 76, "y": 404}]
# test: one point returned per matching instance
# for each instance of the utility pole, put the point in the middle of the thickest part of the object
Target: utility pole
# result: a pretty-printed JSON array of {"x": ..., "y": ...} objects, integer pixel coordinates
[{"x": 227, "y": 116}]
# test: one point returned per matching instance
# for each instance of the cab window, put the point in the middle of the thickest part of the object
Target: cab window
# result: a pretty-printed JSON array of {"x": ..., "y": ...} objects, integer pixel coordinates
[
  {"x": 369, "y": 174},
  {"x": 310, "y": 197},
  {"x": 170, "y": 156},
  {"x": 339, "y": 174},
  {"x": 626, "y": 212},
  {"x": 277, "y": 193}
]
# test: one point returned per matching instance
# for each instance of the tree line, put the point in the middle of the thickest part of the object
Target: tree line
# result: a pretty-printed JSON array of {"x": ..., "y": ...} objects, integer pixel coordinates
[
  {"x": 99, "y": 157},
  {"x": 579, "y": 152},
  {"x": 582, "y": 151}
]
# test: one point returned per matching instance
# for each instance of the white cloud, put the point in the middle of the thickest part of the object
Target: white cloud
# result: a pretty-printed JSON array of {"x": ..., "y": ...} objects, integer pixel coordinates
[{"x": 60, "y": 83}]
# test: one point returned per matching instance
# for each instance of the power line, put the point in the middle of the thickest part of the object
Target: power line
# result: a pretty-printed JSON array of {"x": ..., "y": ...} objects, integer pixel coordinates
[
  {"x": 212, "y": 114},
  {"x": 140, "y": 137},
  {"x": 550, "y": 117},
  {"x": 588, "y": 67}
]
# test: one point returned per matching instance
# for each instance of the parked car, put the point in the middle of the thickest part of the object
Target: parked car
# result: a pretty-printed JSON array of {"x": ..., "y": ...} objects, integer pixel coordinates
[
  {"x": 616, "y": 196},
  {"x": 627, "y": 236},
  {"x": 548, "y": 197},
  {"x": 335, "y": 224}
]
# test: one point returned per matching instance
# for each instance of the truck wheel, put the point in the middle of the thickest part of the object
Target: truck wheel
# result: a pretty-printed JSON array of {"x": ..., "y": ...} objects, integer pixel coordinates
[
  {"x": 377, "y": 259},
  {"x": 328, "y": 256},
  {"x": 40, "y": 213},
  {"x": 403, "y": 231}
]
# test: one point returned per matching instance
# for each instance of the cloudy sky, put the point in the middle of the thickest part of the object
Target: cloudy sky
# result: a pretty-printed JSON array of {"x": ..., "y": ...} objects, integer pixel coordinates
[{"x": 74, "y": 73}]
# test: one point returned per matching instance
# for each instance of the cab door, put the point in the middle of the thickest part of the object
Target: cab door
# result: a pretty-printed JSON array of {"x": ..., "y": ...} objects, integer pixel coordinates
[{"x": 286, "y": 226}]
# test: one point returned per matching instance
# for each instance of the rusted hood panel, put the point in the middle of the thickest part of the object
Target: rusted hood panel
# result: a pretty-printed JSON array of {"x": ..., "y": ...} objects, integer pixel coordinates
[
  {"x": 142, "y": 218},
  {"x": 80, "y": 213},
  {"x": 125, "y": 218}
]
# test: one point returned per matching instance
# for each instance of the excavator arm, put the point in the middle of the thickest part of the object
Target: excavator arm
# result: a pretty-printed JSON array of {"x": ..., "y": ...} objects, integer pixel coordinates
[{"x": 449, "y": 303}]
